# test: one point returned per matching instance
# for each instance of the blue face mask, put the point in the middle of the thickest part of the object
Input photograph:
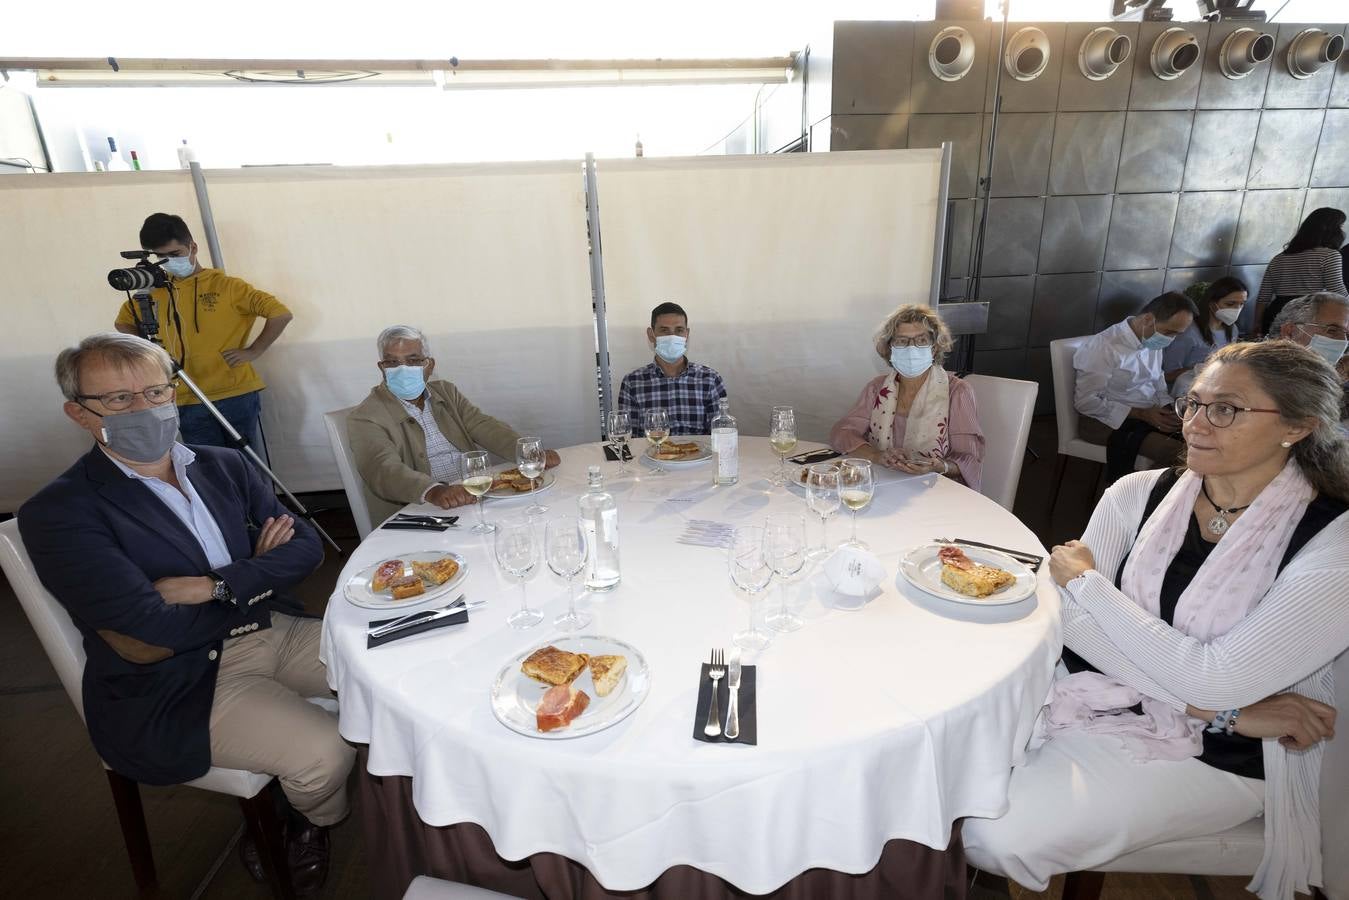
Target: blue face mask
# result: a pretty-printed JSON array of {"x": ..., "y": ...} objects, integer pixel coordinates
[
  {"x": 911, "y": 361},
  {"x": 670, "y": 347},
  {"x": 1156, "y": 341},
  {"x": 179, "y": 266},
  {"x": 406, "y": 382},
  {"x": 1328, "y": 349}
]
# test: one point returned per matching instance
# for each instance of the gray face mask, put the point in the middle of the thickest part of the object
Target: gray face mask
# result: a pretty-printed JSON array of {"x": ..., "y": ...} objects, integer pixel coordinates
[{"x": 142, "y": 436}]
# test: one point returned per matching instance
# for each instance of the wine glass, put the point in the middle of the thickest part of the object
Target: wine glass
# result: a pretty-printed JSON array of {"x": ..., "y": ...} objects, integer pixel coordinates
[
  {"x": 822, "y": 498},
  {"x": 751, "y": 573},
  {"x": 784, "y": 544},
  {"x": 565, "y": 545},
  {"x": 517, "y": 552},
  {"x": 782, "y": 437},
  {"x": 531, "y": 461},
  {"x": 478, "y": 481},
  {"x": 619, "y": 426},
  {"x": 855, "y": 487},
  {"x": 657, "y": 424}
]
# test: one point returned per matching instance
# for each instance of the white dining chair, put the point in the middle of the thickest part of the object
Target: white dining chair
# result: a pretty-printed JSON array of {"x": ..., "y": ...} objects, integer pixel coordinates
[
  {"x": 424, "y": 887},
  {"x": 352, "y": 483},
  {"x": 1005, "y": 407},
  {"x": 64, "y": 646}
]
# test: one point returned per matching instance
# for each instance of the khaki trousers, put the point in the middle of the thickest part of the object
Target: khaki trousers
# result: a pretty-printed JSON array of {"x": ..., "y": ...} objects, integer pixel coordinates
[{"x": 261, "y": 721}]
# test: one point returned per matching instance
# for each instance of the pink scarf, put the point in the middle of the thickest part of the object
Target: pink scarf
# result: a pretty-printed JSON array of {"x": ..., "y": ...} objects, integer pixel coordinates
[{"x": 1234, "y": 578}]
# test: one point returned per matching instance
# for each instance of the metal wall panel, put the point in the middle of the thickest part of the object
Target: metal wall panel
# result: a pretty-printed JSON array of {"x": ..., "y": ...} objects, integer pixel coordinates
[
  {"x": 1336, "y": 198},
  {"x": 1332, "y": 155},
  {"x": 1268, "y": 220},
  {"x": 1205, "y": 226},
  {"x": 1086, "y": 152},
  {"x": 1339, "y": 89},
  {"x": 1285, "y": 148},
  {"x": 1009, "y": 305},
  {"x": 873, "y": 67},
  {"x": 1140, "y": 231},
  {"x": 1285, "y": 91},
  {"x": 1221, "y": 144},
  {"x": 1149, "y": 91},
  {"x": 1042, "y": 372},
  {"x": 1013, "y": 240},
  {"x": 1041, "y": 94},
  {"x": 965, "y": 131},
  {"x": 1065, "y": 306},
  {"x": 1217, "y": 91},
  {"x": 1180, "y": 279},
  {"x": 1021, "y": 158},
  {"x": 1077, "y": 93},
  {"x": 929, "y": 94},
  {"x": 1154, "y": 150},
  {"x": 850, "y": 132},
  {"x": 1125, "y": 293},
  {"x": 999, "y": 363},
  {"x": 1251, "y": 275},
  {"x": 960, "y": 218},
  {"x": 1073, "y": 237}
]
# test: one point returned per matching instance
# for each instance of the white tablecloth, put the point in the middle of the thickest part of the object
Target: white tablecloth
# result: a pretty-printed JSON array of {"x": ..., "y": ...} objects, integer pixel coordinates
[{"x": 890, "y": 721}]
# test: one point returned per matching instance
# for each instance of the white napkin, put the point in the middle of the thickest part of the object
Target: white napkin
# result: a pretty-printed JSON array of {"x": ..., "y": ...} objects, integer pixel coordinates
[{"x": 853, "y": 571}]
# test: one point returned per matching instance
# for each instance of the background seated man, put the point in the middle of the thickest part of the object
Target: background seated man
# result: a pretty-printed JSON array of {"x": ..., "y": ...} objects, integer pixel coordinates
[
  {"x": 411, "y": 433},
  {"x": 1319, "y": 322},
  {"x": 687, "y": 390},
  {"x": 172, "y": 561},
  {"x": 1121, "y": 391}
]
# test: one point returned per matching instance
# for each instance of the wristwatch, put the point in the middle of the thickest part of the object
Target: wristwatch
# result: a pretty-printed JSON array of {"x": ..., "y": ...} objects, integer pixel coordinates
[{"x": 220, "y": 591}]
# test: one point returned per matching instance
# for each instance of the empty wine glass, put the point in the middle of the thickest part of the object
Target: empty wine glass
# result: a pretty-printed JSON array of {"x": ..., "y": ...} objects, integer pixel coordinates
[
  {"x": 822, "y": 498},
  {"x": 531, "y": 460},
  {"x": 784, "y": 543},
  {"x": 618, "y": 424},
  {"x": 751, "y": 573},
  {"x": 657, "y": 423},
  {"x": 517, "y": 552},
  {"x": 782, "y": 437},
  {"x": 565, "y": 545},
  {"x": 478, "y": 481},
  {"x": 855, "y": 487}
]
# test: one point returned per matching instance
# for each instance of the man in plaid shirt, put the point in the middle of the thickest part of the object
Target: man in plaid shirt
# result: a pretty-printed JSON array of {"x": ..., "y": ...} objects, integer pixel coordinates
[{"x": 687, "y": 390}]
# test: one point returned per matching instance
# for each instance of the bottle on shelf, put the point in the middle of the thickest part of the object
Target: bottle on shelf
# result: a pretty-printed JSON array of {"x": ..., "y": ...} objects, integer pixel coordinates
[
  {"x": 599, "y": 515},
  {"x": 135, "y": 161},
  {"x": 116, "y": 163},
  {"x": 725, "y": 445},
  {"x": 639, "y": 146},
  {"x": 186, "y": 156}
]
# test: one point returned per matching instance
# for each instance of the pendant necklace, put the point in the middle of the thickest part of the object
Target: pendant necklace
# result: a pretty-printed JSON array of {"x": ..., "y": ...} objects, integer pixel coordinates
[{"x": 1219, "y": 523}]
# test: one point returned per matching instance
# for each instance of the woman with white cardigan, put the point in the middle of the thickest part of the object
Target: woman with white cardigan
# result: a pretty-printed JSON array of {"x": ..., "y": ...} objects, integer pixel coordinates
[{"x": 1201, "y": 614}]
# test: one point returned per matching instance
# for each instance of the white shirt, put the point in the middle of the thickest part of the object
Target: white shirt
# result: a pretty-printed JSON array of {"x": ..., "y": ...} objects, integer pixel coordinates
[
  {"x": 443, "y": 457},
  {"x": 186, "y": 504},
  {"x": 1115, "y": 374}
]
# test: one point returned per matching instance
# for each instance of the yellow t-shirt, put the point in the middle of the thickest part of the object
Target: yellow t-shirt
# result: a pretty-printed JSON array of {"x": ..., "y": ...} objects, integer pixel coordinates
[{"x": 217, "y": 312}]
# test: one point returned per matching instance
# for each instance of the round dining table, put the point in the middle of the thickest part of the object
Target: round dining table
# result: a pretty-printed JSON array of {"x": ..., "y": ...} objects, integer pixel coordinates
[{"x": 880, "y": 723}]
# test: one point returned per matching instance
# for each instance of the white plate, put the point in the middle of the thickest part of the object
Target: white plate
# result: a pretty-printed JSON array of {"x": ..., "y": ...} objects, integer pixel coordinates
[
  {"x": 923, "y": 570},
  {"x": 357, "y": 588},
  {"x": 503, "y": 494},
  {"x": 691, "y": 461},
  {"x": 794, "y": 474},
  {"x": 516, "y": 696}
]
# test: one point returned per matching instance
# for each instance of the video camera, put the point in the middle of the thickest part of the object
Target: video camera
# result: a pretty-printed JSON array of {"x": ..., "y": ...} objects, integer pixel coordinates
[{"x": 142, "y": 277}]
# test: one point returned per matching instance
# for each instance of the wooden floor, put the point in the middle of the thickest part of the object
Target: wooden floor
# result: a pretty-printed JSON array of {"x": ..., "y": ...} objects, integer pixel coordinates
[{"x": 60, "y": 834}]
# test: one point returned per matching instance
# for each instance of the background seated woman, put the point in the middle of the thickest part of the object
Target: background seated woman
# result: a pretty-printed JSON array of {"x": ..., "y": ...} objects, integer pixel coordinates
[{"x": 1215, "y": 327}]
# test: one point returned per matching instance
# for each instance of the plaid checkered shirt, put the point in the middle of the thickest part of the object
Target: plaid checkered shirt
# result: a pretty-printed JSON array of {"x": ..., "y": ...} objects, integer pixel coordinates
[{"x": 690, "y": 397}]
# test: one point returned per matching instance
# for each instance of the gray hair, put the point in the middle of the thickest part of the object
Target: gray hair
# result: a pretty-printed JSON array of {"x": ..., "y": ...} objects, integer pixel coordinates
[
  {"x": 395, "y": 333},
  {"x": 121, "y": 350},
  {"x": 915, "y": 314},
  {"x": 1304, "y": 310}
]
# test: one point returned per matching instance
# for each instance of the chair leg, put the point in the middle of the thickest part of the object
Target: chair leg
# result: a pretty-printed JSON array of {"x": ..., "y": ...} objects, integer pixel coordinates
[
  {"x": 264, "y": 826},
  {"x": 126, "y": 796},
  {"x": 1083, "y": 885}
]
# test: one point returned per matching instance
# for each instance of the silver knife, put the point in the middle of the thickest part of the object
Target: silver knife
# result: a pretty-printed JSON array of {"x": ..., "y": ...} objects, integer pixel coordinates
[
  {"x": 421, "y": 615},
  {"x": 733, "y": 683}
]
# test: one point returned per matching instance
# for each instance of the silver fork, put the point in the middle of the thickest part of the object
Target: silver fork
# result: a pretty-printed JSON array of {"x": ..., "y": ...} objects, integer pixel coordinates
[{"x": 715, "y": 672}]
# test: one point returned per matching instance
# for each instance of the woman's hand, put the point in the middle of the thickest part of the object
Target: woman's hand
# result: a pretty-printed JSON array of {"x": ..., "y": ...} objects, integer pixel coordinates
[
  {"x": 917, "y": 464},
  {"x": 1067, "y": 561},
  {"x": 275, "y": 532},
  {"x": 1297, "y": 721}
]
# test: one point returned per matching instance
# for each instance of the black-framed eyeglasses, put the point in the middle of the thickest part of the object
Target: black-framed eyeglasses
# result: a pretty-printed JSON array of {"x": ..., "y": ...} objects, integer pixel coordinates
[
  {"x": 155, "y": 395},
  {"x": 922, "y": 340},
  {"x": 417, "y": 361},
  {"x": 1218, "y": 413}
]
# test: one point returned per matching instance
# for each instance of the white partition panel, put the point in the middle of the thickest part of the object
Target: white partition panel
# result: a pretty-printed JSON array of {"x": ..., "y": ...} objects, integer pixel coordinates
[
  {"x": 785, "y": 264},
  {"x": 59, "y": 237}
]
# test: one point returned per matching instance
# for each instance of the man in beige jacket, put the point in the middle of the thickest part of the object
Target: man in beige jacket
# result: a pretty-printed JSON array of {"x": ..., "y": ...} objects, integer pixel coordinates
[{"x": 410, "y": 434}]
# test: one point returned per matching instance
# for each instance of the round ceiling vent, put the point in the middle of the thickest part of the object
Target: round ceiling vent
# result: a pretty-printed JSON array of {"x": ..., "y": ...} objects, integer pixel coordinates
[
  {"x": 1312, "y": 50},
  {"x": 1102, "y": 52},
  {"x": 1027, "y": 54},
  {"x": 951, "y": 54},
  {"x": 1174, "y": 52},
  {"x": 1243, "y": 50}
]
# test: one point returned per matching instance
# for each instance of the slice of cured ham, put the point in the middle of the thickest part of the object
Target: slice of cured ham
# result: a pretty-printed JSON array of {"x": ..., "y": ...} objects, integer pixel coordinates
[
  {"x": 559, "y": 706},
  {"x": 954, "y": 557}
]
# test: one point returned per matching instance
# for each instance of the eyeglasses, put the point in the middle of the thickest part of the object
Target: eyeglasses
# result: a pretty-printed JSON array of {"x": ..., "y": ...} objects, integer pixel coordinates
[
  {"x": 922, "y": 340},
  {"x": 1334, "y": 332},
  {"x": 155, "y": 395},
  {"x": 416, "y": 361},
  {"x": 1219, "y": 414}
]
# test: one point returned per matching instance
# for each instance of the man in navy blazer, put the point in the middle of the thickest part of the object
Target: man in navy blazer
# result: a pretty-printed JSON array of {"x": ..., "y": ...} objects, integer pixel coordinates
[{"x": 172, "y": 561}]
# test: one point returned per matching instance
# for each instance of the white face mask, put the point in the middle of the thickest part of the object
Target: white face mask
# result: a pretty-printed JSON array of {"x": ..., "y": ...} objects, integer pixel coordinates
[
  {"x": 1328, "y": 349},
  {"x": 1227, "y": 316}
]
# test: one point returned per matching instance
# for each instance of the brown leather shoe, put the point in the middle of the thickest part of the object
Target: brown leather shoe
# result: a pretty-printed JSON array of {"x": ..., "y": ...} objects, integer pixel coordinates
[
  {"x": 252, "y": 860},
  {"x": 307, "y": 855}
]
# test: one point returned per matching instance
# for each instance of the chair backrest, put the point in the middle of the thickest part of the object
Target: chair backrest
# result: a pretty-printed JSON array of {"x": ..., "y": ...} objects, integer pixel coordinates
[
  {"x": 1065, "y": 379},
  {"x": 60, "y": 638},
  {"x": 1335, "y": 793},
  {"x": 1005, "y": 407},
  {"x": 352, "y": 483}
]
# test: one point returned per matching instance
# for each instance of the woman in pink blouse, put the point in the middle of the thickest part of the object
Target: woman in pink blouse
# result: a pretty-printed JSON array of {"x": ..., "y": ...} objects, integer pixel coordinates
[{"x": 918, "y": 418}]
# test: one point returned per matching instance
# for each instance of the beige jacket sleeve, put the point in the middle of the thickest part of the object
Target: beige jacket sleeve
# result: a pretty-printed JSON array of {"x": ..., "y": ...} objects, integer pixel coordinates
[{"x": 377, "y": 437}]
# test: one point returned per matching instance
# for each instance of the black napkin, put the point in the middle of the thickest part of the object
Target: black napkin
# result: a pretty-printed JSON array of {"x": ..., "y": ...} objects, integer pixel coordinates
[
  {"x": 814, "y": 456},
  {"x": 748, "y": 721},
  {"x": 458, "y": 618},
  {"x": 610, "y": 455},
  {"x": 414, "y": 526}
]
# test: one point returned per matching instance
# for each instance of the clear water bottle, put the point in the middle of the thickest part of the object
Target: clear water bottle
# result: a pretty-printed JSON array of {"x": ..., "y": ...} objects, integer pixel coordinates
[
  {"x": 599, "y": 514},
  {"x": 725, "y": 444}
]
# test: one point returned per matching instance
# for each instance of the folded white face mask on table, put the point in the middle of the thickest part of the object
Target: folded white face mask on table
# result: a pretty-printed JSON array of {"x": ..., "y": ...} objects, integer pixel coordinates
[{"x": 853, "y": 571}]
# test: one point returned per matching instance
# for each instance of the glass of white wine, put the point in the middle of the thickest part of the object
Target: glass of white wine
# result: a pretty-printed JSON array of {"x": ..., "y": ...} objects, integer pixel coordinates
[
  {"x": 530, "y": 459},
  {"x": 517, "y": 552},
  {"x": 822, "y": 498},
  {"x": 657, "y": 424},
  {"x": 751, "y": 573},
  {"x": 782, "y": 437},
  {"x": 564, "y": 542},
  {"x": 619, "y": 427},
  {"x": 784, "y": 545},
  {"x": 855, "y": 487},
  {"x": 478, "y": 481}
]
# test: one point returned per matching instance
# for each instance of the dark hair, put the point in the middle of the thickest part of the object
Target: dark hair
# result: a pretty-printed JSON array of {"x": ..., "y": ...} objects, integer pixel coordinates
[
  {"x": 1170, "y": 303},
  {"x": 668, "y": 309},
  {"x": 1323, "y": 228},
  {"x": 161, "y": 228},
  {"x": 1228, "y": 284}
]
